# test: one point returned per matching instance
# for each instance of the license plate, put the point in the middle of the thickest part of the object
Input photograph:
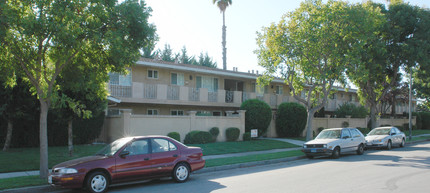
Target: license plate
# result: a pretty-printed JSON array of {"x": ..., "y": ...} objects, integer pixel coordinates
[
  {"x": 50, "y": 179},
  {"x": 313, "y": 150}
]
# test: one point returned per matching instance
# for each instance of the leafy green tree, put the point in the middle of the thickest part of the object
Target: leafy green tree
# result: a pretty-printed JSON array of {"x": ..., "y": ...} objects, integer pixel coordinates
[
  {"x": 308, "y": 48},
  {"x": 350, "y": 109},
  {"x": 222, "y": 5},
  {"x": 45, "y": 36},
  {"x": 396, "y": 42}
]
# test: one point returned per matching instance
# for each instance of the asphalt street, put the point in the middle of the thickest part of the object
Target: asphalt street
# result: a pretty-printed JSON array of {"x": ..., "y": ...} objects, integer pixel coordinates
[{"x": 398, "y": 170}]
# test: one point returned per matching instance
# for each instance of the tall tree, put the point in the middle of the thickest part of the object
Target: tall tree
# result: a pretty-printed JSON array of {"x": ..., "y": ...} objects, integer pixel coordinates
[
  {"x": 45, "y": 36},
  {"x": 308, "y": 48},
  {"x": 222, "y": 5},
  {"x": 394, "y": 44}
]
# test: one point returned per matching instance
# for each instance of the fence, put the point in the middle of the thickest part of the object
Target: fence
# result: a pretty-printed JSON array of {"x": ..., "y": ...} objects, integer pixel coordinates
[{"x": 127, "y": 124}]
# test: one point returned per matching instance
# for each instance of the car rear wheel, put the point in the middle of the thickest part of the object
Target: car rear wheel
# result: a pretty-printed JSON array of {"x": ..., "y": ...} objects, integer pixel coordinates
[
  {"x": 402, "y": 144},
  {"x": 97, "y": 182},
  {"x": 336, "y": 153},
  {"x": 360, "y": 149},
  {"x": 181, "y": 172},
  {"x": 389, "y": 145}
]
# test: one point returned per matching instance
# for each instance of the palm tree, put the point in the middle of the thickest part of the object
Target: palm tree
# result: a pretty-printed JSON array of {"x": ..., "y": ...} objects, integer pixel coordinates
[{"x": 222, "y": 5}]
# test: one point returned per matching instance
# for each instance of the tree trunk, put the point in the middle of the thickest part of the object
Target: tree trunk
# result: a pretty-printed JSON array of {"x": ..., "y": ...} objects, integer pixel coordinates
[
  {"x": 8, "y": 135},
  {"x": 43, "y": 137},
  {"x": 70, "y": 138},
  {"x": 372, "y": 116},
  {"x": 309, "y": 133},
  {"x": 224, "y": 49}
]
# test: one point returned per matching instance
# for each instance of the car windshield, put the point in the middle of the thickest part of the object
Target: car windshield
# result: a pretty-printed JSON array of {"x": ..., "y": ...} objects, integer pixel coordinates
[
  {"x": 329, "y": 134},
  {"x": 112, "y": 148},
  {"x": 380, "y": 132}
]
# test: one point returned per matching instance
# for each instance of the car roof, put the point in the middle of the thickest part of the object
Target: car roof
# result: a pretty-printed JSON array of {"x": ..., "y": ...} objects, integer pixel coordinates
[
  {"x": 340, "y": 128},
  {"x": 389, "y": 127}
]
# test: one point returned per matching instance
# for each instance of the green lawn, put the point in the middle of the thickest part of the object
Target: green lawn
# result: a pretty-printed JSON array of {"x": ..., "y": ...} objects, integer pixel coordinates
[
  {"x": 18, "y": 182},
  {"x": 242, "y": 146},
  {"x": 417, "y": 132},
  {"x": 24, "y": 159}
]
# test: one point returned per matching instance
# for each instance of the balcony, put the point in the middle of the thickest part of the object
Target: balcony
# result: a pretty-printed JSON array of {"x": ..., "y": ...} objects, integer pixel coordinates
[{"x": 183, "y": 95}]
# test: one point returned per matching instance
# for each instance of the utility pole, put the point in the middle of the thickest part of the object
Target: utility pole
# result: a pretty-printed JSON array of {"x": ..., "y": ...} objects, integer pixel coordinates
[{"x": 410, "y": 104}]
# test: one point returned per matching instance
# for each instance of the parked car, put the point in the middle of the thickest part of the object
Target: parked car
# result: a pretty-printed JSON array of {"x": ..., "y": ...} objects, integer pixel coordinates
[
  {"x": 333, "y": 142},
  {"x": 385, "y": 137},
  {"x": 129, "y": 159}
]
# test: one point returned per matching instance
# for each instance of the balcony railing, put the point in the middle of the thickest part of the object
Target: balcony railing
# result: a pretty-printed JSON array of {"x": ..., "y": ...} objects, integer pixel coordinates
[
  {"x": 194, "y": 94},
  {"x": 120, "y": 91},
  {"x": 173, "y": 92},
  {"x": 150, "y": 91},
  {"x": 229, "y": 96}
]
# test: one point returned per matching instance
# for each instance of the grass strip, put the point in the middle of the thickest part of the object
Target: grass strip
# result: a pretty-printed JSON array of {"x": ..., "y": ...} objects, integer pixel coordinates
[
  {"x": 417, "y": 138},
  {"x": 242, "y": 146},
  {"x": 18, "y": 182},
  {"x": 252, "y": 158}
]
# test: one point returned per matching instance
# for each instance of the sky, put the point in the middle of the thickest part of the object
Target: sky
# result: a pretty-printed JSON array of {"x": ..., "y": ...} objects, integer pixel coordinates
[{"x": 197, "y": 25}]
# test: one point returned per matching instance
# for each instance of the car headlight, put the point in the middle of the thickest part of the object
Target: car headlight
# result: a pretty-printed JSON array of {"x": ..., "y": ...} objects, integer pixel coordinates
[
  {"x": 66, "y": 170},
  {"x": 304, "y": 145},
  {"x": 325, "y": 146}
]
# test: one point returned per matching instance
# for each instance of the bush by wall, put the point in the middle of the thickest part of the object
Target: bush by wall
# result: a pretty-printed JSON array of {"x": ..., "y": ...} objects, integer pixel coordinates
[
  {"x": 214, "y": 131},
  {"x": 198, "y": 137},
  {"x": 232, "y": 133},
  {"x": 174, "y": 135},
  {"x": 425, "y": 120},
  {"x": 247, "y": 136},
  {"x": 350, "y": 109},
  {"x": 258, "y": 115},
  {"x": 290, "y": 119},
  {"x": 419, "y": 122}
]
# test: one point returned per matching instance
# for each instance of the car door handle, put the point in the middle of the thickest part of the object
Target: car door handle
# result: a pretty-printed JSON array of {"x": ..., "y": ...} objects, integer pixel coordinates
[
  {"x": 175, "y": 155},
  {"x": 146, "y": 159}
]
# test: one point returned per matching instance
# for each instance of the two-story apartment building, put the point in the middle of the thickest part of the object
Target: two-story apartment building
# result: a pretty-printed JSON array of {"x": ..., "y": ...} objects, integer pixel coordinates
[{"x": 155, "y": 87}]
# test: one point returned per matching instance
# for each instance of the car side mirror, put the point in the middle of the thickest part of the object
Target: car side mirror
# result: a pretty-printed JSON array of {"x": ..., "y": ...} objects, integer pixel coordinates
[{"x": 124, "y": 153}]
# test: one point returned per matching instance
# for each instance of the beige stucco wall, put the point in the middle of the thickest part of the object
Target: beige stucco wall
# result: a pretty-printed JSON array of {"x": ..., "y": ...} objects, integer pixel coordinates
[
  {"x": 134, "y": 125},
  {"x": 337, "y": 122}
]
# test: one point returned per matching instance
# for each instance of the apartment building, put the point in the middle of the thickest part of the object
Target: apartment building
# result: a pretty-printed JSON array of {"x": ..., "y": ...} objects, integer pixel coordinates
[{"x": 154, "y": 87}]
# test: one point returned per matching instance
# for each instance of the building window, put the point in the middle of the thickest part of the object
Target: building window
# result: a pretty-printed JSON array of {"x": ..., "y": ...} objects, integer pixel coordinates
[
  {"x": 113, "y": 112},
  {"x": 152, "y": 112},
  {"x": 177, "y": 112},
  {"x": 153, "y": 74},
  {"x": 280, "y": 90},
  {"x": 118, "y": 79},
  {"x": 203, "y": 113},
  {"x": 216, "y": 113},
  {"x": 207, "y": 82},
  {"x": 177, "y": 79}
]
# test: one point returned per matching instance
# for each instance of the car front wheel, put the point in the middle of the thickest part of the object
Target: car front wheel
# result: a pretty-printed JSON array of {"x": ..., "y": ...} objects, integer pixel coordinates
[
  {"x": 97, "y": 182},
  {"x": 181, "y": 172},
  {"x": 389, "y": 145},
  {"x": 402, "y": 144},
  {"x": 336, "y": 153},
  {"x": 360, "y": 149}
]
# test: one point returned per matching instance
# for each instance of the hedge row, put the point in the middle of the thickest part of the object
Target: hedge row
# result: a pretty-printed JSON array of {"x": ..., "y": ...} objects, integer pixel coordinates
[{"x": 202, "y": 137}]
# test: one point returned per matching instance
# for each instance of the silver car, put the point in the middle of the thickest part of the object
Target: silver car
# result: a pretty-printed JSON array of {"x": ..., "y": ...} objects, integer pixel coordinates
[
  {"x": 385, "y": 137},
  {"x": 333, "y": 142}
]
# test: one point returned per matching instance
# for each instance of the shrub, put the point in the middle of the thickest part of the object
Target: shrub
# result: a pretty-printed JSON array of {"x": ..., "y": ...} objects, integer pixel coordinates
[
  {"x": 198, "y": 137},
  {"x": 350, "y": 109},
  {"x": 247, "y": 136},
  {"x": 232, "y": 133},
  {"x": 290, "y": 120},
  {"x": 419, "y": 122},
  {"x": 345, "y": 124},
  {"x": 364, "y": 130},
  {"x": 175, "y": 135},
  {"x": 258, "y": 115},
  {"x": 214, "y": 131},
  {"x": 425, "y": 120}
]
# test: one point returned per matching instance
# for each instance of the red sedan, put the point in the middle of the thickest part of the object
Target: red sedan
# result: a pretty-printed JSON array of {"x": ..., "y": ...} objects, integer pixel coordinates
[{"x": 129, "y": 159}]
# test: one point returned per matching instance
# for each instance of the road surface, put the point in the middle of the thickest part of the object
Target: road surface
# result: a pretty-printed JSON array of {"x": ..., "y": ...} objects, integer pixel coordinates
[{"x": 398, "y": 170}]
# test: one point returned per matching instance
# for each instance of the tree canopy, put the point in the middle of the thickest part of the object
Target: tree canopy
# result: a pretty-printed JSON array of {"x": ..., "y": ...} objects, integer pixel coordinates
[{"x": 44, "y": 37}]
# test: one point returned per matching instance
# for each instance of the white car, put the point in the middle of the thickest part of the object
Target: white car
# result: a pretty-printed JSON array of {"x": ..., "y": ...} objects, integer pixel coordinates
[
  {"x": 333, "y": 142},
  {"x": 385, "y": 137}
]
